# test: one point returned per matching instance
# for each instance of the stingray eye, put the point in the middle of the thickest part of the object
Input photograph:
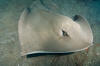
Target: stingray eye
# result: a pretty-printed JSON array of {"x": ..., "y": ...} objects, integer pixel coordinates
[{"x": 64, "y": 33}]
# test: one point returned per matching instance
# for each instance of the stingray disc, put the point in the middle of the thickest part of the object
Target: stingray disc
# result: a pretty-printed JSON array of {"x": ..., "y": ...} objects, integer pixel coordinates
[{"x": 41, "y": 31}]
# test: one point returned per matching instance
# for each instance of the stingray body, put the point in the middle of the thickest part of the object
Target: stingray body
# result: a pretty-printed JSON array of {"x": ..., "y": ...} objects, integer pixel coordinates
[{"x": 41, "y": 31}]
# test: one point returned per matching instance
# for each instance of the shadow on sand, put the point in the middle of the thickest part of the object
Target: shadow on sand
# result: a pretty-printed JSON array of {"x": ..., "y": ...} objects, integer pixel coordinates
[{"x": 44, "y": 54}]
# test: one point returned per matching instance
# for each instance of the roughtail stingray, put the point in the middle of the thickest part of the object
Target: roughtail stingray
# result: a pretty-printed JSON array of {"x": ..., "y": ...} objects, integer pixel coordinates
[{"x": 41, "y": 31}]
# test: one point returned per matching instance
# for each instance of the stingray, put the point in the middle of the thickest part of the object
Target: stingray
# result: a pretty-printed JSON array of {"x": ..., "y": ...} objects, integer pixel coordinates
[{"x": 42, "y": 31}]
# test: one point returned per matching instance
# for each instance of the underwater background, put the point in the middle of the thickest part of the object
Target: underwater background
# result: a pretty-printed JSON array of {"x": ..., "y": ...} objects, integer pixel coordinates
[{"x": 10, "y": 11}]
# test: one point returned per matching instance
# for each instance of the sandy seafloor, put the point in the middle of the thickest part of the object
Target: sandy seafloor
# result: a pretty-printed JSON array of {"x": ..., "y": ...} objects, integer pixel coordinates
[{"x": 10, "y": 11}]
